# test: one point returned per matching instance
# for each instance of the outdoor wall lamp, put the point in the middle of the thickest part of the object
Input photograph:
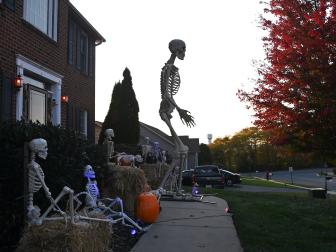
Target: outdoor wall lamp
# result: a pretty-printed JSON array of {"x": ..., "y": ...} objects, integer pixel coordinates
[
  {"x": 18, "y": 82},
  {"x": 65, "y": 98}
]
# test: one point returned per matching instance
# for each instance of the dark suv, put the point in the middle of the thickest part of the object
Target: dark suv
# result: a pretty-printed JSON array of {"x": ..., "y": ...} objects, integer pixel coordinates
[
  {"x": 231, "y": 178},
  {"x": 208, "y": 175}
]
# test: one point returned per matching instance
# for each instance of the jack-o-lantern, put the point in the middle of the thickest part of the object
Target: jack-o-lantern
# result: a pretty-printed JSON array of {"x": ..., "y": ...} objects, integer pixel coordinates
[{"x": 147, "y": 207}]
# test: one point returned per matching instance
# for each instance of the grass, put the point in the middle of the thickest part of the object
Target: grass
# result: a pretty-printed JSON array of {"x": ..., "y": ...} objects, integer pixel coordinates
[{"x": 282, "y": 221}]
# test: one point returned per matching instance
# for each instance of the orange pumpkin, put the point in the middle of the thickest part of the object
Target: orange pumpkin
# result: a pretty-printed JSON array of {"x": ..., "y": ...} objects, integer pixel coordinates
[{"x": 147, "y": 207}]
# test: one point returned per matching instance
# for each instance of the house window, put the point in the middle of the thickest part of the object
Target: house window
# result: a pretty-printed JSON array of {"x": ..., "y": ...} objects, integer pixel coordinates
[
  {"x": 9, "y": 4},
  {"x": 43, "y": 15},
  {"x": 81, "y": 49}
]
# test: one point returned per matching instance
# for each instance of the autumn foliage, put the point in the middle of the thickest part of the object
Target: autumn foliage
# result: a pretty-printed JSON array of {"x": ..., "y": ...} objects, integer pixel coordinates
[{"x": 295, "y": 93}]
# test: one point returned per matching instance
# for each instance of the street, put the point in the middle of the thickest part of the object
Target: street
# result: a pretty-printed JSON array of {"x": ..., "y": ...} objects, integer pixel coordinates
[{"x": 309, "y": 177}]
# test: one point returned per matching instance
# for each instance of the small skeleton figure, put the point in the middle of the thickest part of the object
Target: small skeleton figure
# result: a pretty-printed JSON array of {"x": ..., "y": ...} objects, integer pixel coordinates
[
  {"x": 157, "y": 151},
  {"x": 36, "y": 181},
  {"x": 124, "y": 159},
  {"x": 91, "y": 187},
  {"x": 163, "y": 157},
  {"x": 108, "y": 143},
  {"x": 36, "y": 177},
  {"x": 170, "y": 84}
]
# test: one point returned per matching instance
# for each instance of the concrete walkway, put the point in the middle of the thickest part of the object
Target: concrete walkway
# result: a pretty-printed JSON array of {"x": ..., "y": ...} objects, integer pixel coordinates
[{"x": 191, "y": 227}]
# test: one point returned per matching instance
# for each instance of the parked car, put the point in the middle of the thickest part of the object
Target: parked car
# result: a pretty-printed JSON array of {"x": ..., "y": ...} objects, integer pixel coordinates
[
  {"x": 231, "y": 178},
  {"x": 187, "y": 177},
  {"x": 208, "y": 175}
]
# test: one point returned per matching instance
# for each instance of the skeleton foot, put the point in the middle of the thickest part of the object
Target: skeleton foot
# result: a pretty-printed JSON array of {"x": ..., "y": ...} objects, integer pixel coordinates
[{"x": 33, "y": 215}]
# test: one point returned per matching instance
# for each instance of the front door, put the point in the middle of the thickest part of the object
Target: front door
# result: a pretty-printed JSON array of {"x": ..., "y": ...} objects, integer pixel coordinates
[{"x": 37, "y": 105}]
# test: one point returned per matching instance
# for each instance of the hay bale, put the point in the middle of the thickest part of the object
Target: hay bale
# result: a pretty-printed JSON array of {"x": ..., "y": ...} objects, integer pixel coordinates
[
  {"x": 125, "y": 182},
  {"x": 56, "y": 236},
  {"x": 155, "y": 173}
]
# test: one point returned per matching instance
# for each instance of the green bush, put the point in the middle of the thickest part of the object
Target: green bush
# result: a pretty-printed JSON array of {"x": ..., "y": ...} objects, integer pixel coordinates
[{"x": 68, "y": 153}]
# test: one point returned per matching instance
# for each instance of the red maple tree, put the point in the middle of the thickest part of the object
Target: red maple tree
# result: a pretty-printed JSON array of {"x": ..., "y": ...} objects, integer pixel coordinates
[{"x": 295, "y": 93}]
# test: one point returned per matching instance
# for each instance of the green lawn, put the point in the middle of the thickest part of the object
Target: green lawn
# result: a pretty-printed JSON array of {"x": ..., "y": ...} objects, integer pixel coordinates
[{"x": 282, "y": 221}]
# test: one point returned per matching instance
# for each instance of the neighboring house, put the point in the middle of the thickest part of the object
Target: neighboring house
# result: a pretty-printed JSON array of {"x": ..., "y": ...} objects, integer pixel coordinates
[
  {"x": 151, "y": 135},
  {"x": 166, "y": 143},
  {"x": 48, "y": 47}
]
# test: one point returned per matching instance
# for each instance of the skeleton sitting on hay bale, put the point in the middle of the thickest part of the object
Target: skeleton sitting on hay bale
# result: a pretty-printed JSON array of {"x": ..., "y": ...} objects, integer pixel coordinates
[
  {"x": 56, "y": 235},
  {"x": 102, "y": 206},
  {"x": 92, "y": 197},
  {"x": 38, "y": 147}
]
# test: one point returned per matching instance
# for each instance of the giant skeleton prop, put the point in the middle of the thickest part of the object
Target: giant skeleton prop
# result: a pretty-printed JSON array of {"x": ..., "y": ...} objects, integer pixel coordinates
[
  {"x": 170, "y": 84},
  {"x": 36, "y": 181}
]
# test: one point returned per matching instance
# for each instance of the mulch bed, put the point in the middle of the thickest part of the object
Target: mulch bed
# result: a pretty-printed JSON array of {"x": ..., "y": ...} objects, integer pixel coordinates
[{"x": 122, "y": 240}]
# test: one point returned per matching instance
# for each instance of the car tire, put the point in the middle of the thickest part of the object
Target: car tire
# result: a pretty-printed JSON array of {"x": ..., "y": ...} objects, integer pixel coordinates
[{"x": 229, "y": 182}]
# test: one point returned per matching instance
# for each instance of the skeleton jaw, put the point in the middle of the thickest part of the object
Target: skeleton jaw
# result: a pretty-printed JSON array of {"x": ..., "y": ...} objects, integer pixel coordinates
[{"x": 42, "y": 154}]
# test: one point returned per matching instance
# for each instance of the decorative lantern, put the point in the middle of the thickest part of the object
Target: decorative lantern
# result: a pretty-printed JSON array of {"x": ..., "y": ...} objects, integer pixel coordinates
[
  {"x": 18, "y": 82},
  {"x": 147, "y": 207},
  {"x": 65, "y": 98}
]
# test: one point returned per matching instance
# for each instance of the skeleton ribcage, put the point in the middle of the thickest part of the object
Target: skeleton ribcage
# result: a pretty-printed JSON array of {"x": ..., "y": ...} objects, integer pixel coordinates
[
  {"x": 34, "y": 182},
  {"x": 170, "y": 80},
  {"x": 93, "y": 190}
]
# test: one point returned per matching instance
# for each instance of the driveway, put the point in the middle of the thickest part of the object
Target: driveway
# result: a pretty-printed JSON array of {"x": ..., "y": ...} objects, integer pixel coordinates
[{"x": 308, "y": 177}]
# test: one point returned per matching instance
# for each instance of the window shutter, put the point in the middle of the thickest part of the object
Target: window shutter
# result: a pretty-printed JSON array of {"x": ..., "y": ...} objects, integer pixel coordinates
[
  {"x": 69, "y": 116},
  {"x": 78, "y": 45},
  {"x": 78, "y": 119},
  {"x": 91, "y": 58},
  {"x": 6, "y": 98},
  {"x": 88, "y": 126},
  {"x": 71, "y": 34}
]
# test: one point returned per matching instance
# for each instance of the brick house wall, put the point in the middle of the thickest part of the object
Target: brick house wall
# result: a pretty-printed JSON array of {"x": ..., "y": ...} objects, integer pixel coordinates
[{"x": 19, "y": 37}]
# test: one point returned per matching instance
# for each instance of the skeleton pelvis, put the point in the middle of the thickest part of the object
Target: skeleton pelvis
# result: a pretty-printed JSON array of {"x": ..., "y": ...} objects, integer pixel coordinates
[{"x": 166, "y": 107}]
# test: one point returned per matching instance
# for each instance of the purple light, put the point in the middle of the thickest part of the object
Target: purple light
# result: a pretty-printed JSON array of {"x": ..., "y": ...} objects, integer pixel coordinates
[{"x": 133, "y": 231}]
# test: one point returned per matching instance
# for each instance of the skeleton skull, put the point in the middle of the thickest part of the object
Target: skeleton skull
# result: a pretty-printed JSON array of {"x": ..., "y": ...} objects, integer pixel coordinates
[
  {"x": 39, "y": 146},
  {"x": 89, "y": 172},
  {"x": 109, "y": 133},
  {"x": 177, "y": 47}
]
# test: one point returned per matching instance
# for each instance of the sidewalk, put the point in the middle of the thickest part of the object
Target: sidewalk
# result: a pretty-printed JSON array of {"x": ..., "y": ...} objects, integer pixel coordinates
[{"x": 191, "y": 227}]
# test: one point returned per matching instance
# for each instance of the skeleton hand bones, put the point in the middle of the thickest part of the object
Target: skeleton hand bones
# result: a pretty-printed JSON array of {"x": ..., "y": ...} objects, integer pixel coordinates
[{"x": 186, "y": 117}]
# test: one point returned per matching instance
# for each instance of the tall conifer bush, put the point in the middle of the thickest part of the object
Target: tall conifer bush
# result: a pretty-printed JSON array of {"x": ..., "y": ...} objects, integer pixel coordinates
[{"x": 122, "y": 116}]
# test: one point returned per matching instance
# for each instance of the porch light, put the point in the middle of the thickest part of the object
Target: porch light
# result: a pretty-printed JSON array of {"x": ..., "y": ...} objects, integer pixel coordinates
[
  {"x": 65, "y": 98},
  {"x": 18, "y": 82}
]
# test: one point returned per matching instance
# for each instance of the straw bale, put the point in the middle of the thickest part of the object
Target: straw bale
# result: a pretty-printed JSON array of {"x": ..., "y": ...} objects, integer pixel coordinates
[
  {"x": 155, "y": 173},
  {"x": 56, "y": 236},
  {"x": 125, "y": 182}
]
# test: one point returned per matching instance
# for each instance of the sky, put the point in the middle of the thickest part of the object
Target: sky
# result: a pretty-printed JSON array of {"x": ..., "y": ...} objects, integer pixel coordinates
[{"x": 222, "y": 40}]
